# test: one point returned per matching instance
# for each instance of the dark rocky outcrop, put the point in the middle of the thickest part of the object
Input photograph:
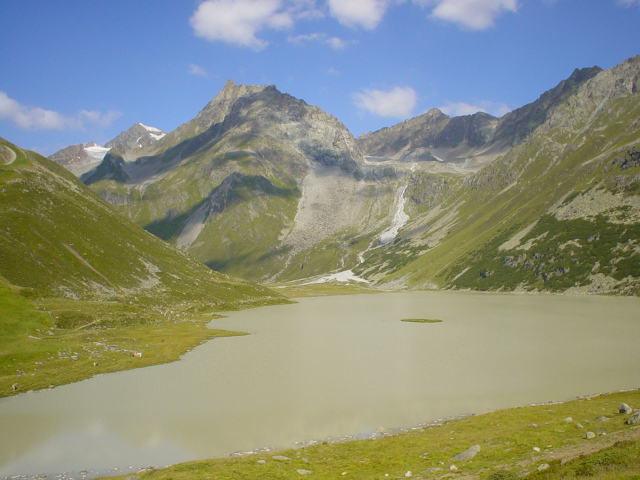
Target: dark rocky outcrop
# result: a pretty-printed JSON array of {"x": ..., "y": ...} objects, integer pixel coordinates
[{"x": 111, "y": 168}]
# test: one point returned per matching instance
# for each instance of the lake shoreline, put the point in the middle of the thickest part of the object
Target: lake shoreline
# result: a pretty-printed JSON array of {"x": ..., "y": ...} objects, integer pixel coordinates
[
  {"x": 269, "y": 451},
  {"x": 332, "y": 370},
  {"x": 534, "y": 456}
]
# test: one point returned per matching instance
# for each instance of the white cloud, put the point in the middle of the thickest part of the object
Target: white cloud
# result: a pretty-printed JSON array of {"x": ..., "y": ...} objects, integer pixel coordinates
[
  {"x": 629, "y": 3},
  {"x": 398, "y": 103},
  {"x": 471, "y": 14},
  {"x": 238, "y": 21},
  {"x": 95, "y": 117},
  {"x": 197, "y": 70},
  {"x": 36, "y": 118},
  {"x": 358, "y": 13},
  {"x": 456, "y": 109},
  {"x": 334, "y": 42}
]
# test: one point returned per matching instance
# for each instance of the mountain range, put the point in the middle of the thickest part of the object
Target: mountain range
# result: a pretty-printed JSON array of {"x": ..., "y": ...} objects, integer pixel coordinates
[
  {"x": 263, "y": 186},
  {"x": 82, "y": 157}
]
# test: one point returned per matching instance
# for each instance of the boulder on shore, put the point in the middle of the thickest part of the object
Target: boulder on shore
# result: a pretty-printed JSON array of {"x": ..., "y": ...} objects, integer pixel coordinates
[
  {"x": 624, "y": 408},
  {"x": 634, "y": 419}
]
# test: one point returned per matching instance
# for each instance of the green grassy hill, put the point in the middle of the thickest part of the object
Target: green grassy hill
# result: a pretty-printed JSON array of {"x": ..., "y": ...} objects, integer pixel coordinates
[{"x": 82, "y": 288}]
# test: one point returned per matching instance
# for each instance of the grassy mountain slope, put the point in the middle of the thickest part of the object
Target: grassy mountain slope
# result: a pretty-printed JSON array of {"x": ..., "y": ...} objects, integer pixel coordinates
[
  {"x": 60, "y": 239},
  {"x": 82, "y": 288},
  {"x": 558, "y": 212}
]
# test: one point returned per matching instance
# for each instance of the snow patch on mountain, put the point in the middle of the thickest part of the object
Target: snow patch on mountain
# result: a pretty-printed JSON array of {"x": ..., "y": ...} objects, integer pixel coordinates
[
  {"x": 96, "y": 151},
  {"x": 343, "y": 277},
  {"x": 153, "y": 131}
]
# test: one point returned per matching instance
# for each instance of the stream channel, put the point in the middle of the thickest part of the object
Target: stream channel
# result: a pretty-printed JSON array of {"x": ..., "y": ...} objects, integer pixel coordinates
[{"x": 327, "y": 368}]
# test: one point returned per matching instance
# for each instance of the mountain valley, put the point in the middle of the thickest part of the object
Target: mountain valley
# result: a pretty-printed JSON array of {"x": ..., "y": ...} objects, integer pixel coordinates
[{"x": 263, "y": 186}]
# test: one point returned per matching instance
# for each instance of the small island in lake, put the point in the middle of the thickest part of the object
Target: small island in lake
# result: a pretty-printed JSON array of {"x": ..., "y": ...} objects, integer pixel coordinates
[{"x": 421, "y": 320}]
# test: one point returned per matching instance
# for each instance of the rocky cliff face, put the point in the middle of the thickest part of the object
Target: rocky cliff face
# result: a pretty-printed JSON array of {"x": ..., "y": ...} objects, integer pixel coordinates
[
  {"x": 432, "y": 136},
  {"x": 74, "y": 154}
]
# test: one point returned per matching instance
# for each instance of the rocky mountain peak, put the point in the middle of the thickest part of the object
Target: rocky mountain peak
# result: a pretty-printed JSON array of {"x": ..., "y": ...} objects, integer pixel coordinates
[
  {"x": 137, "y": 136},
  {"x": 521, "y": 122},
  {"x": 220, "y": 106},
  {"x": 432, "y": 136},
  {"x": 623, "y": 79}
]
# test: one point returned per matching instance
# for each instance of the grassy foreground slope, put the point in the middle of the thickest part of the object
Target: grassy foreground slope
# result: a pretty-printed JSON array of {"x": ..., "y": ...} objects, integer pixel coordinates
[
  {"x": 83, "y": 289},
  {"x": 549, "y": 441}
]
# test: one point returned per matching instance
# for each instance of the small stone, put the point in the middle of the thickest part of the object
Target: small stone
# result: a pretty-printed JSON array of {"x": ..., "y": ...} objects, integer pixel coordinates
[
  {"x": 534, "y": 425},
  {"x": 536, "y": 449},
  {"x": 468, "y": 454},
  {"x": 344, "y": 473},
  {"x": 602, "y": 419},
  {"x": 302, "y": 471},
  {"x": 408, "y": 474},
  {"x": 261, "y": 462},
  {"x": 453, "y": 468},
  {"x": 543, "y": 466},
  {"x": 568, "y": 419},
  {"x": 633, "y": 419},
  {"x": 281, "y": 458},
  {"x": 579, "y": 425},
  {"x": 624, "y": 408},
  {"x": 590, "y": 435},
  {"x": 432, "y": 470}
]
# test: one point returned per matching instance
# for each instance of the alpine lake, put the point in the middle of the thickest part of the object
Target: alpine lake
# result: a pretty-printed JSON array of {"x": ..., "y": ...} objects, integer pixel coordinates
[{"x": 326, "y": 369}]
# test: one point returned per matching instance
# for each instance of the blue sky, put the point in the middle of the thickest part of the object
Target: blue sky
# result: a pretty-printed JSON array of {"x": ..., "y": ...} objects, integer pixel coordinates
[{"x": 79, "y": 71}]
